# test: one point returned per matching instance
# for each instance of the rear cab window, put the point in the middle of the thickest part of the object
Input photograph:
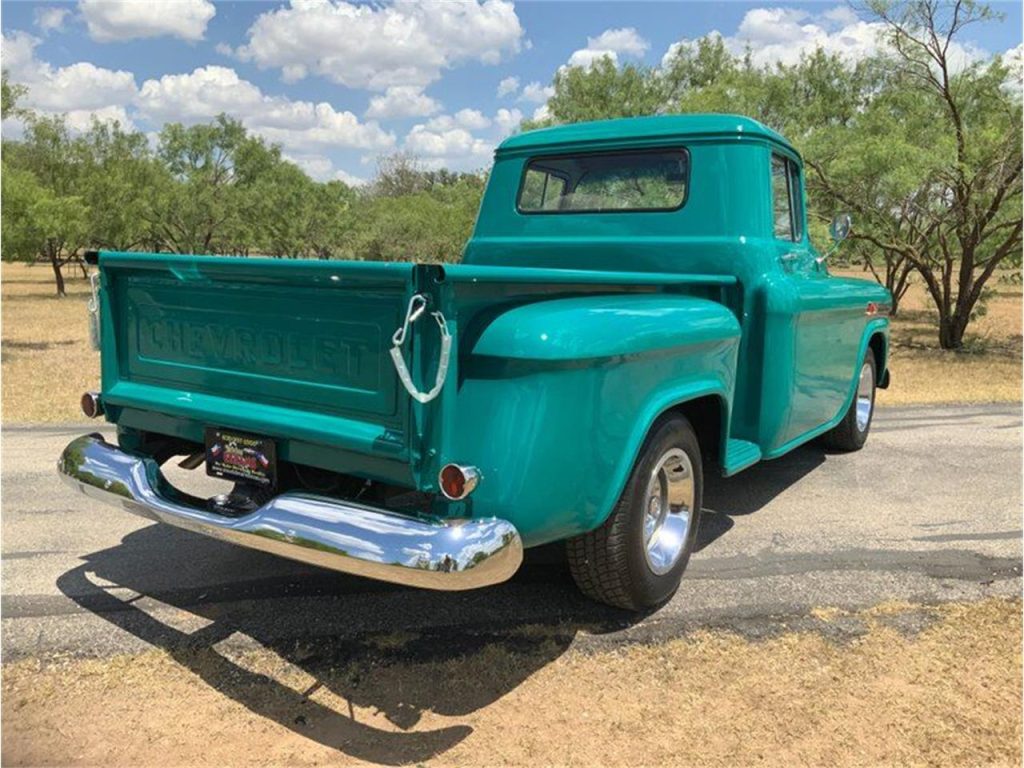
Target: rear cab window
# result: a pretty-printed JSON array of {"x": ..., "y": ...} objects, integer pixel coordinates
[
  {"x": 605, "y": 182},
  {"x": 787, "y": 214}
]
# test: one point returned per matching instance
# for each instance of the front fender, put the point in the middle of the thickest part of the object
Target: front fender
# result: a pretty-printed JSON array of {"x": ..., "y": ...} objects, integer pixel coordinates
[{"x": 556, "y": 398}]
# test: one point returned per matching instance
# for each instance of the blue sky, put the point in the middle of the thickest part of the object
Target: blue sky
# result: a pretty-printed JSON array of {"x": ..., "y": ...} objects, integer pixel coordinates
[{"x": 337, "y": 84}]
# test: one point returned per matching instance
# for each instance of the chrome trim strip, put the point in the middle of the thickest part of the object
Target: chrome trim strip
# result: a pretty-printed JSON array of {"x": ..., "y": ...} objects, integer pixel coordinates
[{"x": 329, "y": 533}]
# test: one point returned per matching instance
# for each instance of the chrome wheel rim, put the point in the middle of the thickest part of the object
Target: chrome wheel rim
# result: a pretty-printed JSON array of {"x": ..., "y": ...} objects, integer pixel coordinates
[
  {"x": 865, "y": 397},
  {"x": 668, "y": 505}
]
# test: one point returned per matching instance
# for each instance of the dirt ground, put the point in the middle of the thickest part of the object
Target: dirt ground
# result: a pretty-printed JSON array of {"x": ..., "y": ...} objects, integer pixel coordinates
[
  {"x": 47, "y": 362},
  {"x": 917, "y": 686}
]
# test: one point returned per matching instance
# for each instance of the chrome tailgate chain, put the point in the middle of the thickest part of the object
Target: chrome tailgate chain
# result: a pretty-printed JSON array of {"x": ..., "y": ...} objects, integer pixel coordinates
[
  {"x": 94, "y": 310},
  {"x": 417, "y": 306}
]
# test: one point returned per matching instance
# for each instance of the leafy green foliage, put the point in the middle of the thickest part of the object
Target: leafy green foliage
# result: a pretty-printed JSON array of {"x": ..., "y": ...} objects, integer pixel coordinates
[
  {"x": 925, "y": 155},
  {"x": 213, "y": 188}
]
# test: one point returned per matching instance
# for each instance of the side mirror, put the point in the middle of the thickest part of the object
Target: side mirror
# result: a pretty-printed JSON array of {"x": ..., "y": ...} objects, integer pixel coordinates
[{"x": 840, "y": 227}]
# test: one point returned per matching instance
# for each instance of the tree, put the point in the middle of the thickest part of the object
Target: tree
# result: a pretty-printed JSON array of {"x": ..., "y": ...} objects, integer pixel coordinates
[
  {"x": 21, "y": 191},
  {"x": 197, "y": 206},
  {"x": 399, "y": 174},
  {"x": 604, "y": 91},
  {"x": 402, "y": 173},
  {"x": 926, "y": 156},
  {"x": 49, "y": 217},
  {"x": 972, "y": 206},
  {"x": 866, "y": 139},
  {"x": 118, "y": 175},
  {"x": 10, "y": 94},
  {"x": 430, "y": 225},
  {"x": 60, "y": 224},
  {"x": 329, "y": 221}
]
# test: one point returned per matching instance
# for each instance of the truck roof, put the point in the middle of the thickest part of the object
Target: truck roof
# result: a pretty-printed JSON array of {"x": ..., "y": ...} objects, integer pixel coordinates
[{"x": 631, "y": 129}]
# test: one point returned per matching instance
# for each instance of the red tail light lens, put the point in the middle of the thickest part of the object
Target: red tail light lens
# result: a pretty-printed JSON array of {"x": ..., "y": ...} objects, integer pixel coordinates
[
  {"x": 458, "y": 481},
  {"x": 91, "y": 404}
]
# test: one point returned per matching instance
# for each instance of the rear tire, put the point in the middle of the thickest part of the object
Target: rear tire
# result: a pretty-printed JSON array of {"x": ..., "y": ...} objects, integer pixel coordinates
[
  {"x": 851, "y": 433},
  {"x": 636, "y": 558}
]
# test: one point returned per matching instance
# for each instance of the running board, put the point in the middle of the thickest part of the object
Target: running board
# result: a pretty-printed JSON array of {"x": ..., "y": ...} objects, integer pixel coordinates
[{"x": 740, "y": 454}]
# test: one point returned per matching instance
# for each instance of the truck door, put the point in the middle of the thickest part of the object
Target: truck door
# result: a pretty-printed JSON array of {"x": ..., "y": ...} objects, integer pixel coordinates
[{"x": 826, "y": 329}]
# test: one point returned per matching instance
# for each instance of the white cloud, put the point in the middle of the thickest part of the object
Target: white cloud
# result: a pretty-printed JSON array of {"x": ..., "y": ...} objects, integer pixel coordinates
[
  {"x": 508, "y": 86},
  {"x": 321, "y": 168},
  {"x": 611, "y": 43},
  {"x": 451, "y": 147},
  {"x": 50, "y": 19},
  {"x": 80, "y": 89},
  {"x": 18, "y": 55},
  {"x": 114, "y": 20},
  {"x": 81, "y": 86},
  {"x": 81, "y": 120},
  {"x": 625, "y": 40},
  {"x": 541, "y": 113},
  {"x": 783, "y": 35},
  {"x": 473, "y": 119},
  {"x": 375, "y": 47},
  {"x": 402, "y": 101},
  {"x": 507, "y": 120},
  {"x": 296, "y": 125},
  {"x": 537, "y": 93},
  {"x": 450, "y": 141},
  {"x": 348, "y": 178},
  {"x": 470, "y": 119},
  {"x": 841, "y": 14}
]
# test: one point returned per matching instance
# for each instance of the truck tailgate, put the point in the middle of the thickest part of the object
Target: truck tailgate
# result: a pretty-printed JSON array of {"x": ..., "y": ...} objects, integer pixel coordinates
[{"x": 287, "y": 348}]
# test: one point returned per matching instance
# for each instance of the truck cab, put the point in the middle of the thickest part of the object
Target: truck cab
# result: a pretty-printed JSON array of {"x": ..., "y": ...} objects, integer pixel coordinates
[{"x": 639, "y": 303}]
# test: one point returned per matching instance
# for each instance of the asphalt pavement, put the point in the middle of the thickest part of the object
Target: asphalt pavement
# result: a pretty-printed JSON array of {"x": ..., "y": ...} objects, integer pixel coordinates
[{"x": 929, "y": 511}]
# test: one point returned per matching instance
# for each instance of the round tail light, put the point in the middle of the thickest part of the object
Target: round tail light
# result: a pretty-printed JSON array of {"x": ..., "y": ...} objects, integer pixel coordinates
[
  {"x": 458, "y": 481},
  {"x": 91, "y": 404}
]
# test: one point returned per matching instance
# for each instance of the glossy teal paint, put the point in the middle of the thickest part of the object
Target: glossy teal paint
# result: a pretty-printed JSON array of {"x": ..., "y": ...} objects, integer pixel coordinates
[
  {"x": 293, "y": 350},
  {"x": 588, "y": 328},
  {"x": 574, "y": 384},
  {"x": 573, "y": 334}
]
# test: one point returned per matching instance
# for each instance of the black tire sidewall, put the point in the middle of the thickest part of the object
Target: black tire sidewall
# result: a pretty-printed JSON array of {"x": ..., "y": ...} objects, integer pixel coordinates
[{"x": 647, "y": 587}]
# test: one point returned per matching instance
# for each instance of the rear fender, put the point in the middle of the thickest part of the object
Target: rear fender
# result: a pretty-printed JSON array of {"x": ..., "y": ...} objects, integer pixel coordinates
[{"x": 562, "y": 394}]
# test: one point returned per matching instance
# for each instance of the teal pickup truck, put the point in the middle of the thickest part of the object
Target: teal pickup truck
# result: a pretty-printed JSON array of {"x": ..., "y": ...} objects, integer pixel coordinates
[{"x": 639, "y": 302}]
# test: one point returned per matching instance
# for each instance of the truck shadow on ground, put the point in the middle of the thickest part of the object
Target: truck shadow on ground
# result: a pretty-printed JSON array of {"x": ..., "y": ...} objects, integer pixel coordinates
[
  {"x": 399, "y": 652},
  {"x": 729, "y": 497}
]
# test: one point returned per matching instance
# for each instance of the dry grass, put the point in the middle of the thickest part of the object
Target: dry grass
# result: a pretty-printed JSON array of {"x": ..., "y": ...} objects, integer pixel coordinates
[
  {"x": 949, "y": 694},
  {"x": 46, "y": 359},
  {"x": 47, "y": 362},
  {"x": 989, "y": 370}
]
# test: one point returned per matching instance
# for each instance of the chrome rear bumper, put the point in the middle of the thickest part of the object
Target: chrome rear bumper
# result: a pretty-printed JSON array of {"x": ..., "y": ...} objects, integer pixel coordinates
[{"x": 341, "y": 535}]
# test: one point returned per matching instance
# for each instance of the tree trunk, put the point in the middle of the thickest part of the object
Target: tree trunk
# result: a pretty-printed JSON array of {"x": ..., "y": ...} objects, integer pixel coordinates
[
  {"x": 951, "y": 332},
  {"x": 57, "y": 276},
  {"x": 898, "y": 281}
]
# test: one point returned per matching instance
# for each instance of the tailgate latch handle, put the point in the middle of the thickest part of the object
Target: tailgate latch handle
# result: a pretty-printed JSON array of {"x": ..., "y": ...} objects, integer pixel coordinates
[{"x": 417, "y": 306}]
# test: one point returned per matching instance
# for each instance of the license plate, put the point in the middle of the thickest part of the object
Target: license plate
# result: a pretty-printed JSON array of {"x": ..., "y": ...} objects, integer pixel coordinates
[{"x": 241, "y": 457}]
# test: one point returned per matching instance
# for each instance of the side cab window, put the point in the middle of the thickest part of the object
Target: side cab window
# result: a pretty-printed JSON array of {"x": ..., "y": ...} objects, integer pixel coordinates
[{"x": 787, "y": 202}]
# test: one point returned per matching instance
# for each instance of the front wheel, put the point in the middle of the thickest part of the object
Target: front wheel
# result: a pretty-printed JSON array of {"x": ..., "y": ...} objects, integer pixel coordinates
[
  {"x": 851, "y": 433},
  {"x": 636, "y": 559}
]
